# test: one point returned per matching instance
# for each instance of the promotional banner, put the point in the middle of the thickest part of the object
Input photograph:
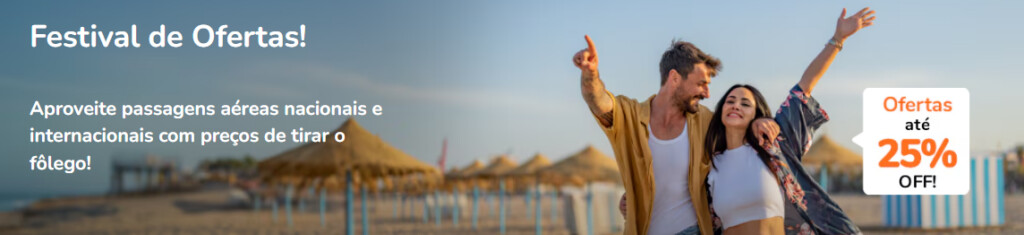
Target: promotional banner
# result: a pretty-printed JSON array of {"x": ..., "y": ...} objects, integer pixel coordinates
[{"x": 511, "y": 117}]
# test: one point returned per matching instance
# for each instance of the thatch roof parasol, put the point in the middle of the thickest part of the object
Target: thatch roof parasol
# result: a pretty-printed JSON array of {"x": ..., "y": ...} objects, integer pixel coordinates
[
  {"x": 465, "y": 171},
  {"x": 525, "y": 175},
  {"x": 362, "y": 152},
  {"x": 417, "y": 184},
  {"x": 588, "y": 165},
  {"x": 530, "y": 167},
  {"x": 498, "y": 167},
  {"x": 828, "y": 152},
  {"x": 458, "y": 178}
]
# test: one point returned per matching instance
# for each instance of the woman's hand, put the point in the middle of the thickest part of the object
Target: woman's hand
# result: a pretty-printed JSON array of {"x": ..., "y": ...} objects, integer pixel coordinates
[{"x": 846, "y": 26}]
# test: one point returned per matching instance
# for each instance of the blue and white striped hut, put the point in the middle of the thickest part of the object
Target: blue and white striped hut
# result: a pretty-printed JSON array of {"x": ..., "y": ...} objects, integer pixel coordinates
[{"x": 983, "y": 205}]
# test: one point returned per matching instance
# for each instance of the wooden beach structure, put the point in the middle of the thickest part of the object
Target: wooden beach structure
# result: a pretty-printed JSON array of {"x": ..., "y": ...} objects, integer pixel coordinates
[
  {"x": 828, "y": 158},
  {"x": 526, "y": 175},
  {"x": 362, "y": 158},
  {"x": 582, "y": 169},
  {"x": 494, "y": 174}
]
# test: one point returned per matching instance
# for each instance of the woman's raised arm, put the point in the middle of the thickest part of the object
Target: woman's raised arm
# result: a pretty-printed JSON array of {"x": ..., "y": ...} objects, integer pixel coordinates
[{"x": 845, "y": 27}]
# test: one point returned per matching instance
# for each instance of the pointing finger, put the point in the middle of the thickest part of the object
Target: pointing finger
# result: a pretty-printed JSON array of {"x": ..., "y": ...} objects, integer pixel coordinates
[{"x": 590, "y": 45}]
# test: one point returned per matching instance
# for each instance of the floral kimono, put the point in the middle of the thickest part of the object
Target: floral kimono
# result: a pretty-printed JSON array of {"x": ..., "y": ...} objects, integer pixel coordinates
[{"x": 809, "y": 210}]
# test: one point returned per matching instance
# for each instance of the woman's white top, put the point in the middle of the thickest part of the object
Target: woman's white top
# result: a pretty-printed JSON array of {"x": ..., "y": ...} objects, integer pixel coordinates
[{"x": 743, "y": 189}]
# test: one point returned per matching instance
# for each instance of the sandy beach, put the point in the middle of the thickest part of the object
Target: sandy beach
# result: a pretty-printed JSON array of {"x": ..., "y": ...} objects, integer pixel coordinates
[{"x": 211, "y": 212}]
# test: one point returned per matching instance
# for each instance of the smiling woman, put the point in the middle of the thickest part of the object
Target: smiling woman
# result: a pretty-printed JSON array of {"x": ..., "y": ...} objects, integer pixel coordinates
[{"x": 755, "y": 189}]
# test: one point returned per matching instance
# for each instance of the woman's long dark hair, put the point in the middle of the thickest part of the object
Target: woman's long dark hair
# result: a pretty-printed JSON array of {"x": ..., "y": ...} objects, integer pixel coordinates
[{"x": 714, "y": 141}]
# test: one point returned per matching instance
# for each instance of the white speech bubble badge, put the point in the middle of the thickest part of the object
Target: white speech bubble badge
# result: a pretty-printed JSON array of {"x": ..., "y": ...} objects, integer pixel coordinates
[{"x": 916, "y": 141}]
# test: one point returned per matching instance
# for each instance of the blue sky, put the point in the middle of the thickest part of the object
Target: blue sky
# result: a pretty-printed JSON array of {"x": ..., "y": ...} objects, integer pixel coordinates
[{"x": 492, "y": 77}]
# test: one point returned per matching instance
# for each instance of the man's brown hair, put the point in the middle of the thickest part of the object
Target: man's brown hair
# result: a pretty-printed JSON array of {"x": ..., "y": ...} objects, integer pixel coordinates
[{"x": 682, "y": 56}]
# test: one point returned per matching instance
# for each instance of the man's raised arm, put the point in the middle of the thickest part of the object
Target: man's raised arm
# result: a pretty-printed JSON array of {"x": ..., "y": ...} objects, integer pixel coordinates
[{"x": 600, "y": 101}]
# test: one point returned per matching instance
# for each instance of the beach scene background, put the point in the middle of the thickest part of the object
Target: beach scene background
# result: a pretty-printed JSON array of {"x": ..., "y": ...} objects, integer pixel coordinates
[{"x": 469, "y": 81}]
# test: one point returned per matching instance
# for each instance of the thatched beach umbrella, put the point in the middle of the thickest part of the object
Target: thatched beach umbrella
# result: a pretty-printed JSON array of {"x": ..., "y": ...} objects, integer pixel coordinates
[
  {"x": 530, "y": 167},
  {"x": 272, "y": 168},
  {"x": 456, "y": 180},
  {"x": 361, "y": 153},
  {"x": 415, "y": 186},
  {"x": 496, "y": 169},
  {"x": 826, "y": 152},
  {"x": 528, "y": 172},
  {"x": 494, "y": 172},
  {"x": 459, "y": 178},
  {"x": 586, "y": 166},
  {"x": 448, "y": 176}
]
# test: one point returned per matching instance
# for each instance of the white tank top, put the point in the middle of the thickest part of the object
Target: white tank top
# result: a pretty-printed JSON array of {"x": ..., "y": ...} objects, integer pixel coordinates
[
  {"x": 672, "y": 209},
  {"x": 743, "y": 189}
]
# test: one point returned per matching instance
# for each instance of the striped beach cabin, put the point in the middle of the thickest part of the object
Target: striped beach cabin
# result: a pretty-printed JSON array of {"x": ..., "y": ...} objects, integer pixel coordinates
[{"x": 982, "y": 206}]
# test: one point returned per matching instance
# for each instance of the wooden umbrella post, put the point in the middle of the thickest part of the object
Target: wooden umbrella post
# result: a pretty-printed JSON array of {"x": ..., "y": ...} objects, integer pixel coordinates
[
  {"x": 302, "y": 202},
  {"x": 402, "y": 211},
  {"x": 288, "y": 203},
  {"x": 590, "y": 209},
  {"x": 365, "y": 218},
  {"x": 612, "y": 204},
  {"x": 437, "y": 208},
  {"x": 273, "y": 207},
  {"x": 299, "y": 197},
  {"x": 527, "y": 199},
  {"x": 476, "y": 200},
  {"x": 554, "y": 204},
  {"x": 426, "y": 211},
  {"x": 256, "y": 202},
  {"x": 501, "y": 203},
  {"x": 536, "y": 209},
  {"x": 323, "y": 206},
  {"x": 349, "y": 229},
  {"x": 455, "y": 207},
  {"x": 394, "y": 207},
  {"x": 489, "y": 196},
  {"x": 823, "y": 177}
]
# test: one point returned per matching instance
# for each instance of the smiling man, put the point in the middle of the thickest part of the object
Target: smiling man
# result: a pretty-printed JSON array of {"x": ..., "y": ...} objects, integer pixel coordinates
[{"x": 658, "y": 143}]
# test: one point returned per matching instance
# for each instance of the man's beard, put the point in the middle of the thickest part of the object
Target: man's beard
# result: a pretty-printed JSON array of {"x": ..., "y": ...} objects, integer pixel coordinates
[{"x": 686, "y": 104}]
